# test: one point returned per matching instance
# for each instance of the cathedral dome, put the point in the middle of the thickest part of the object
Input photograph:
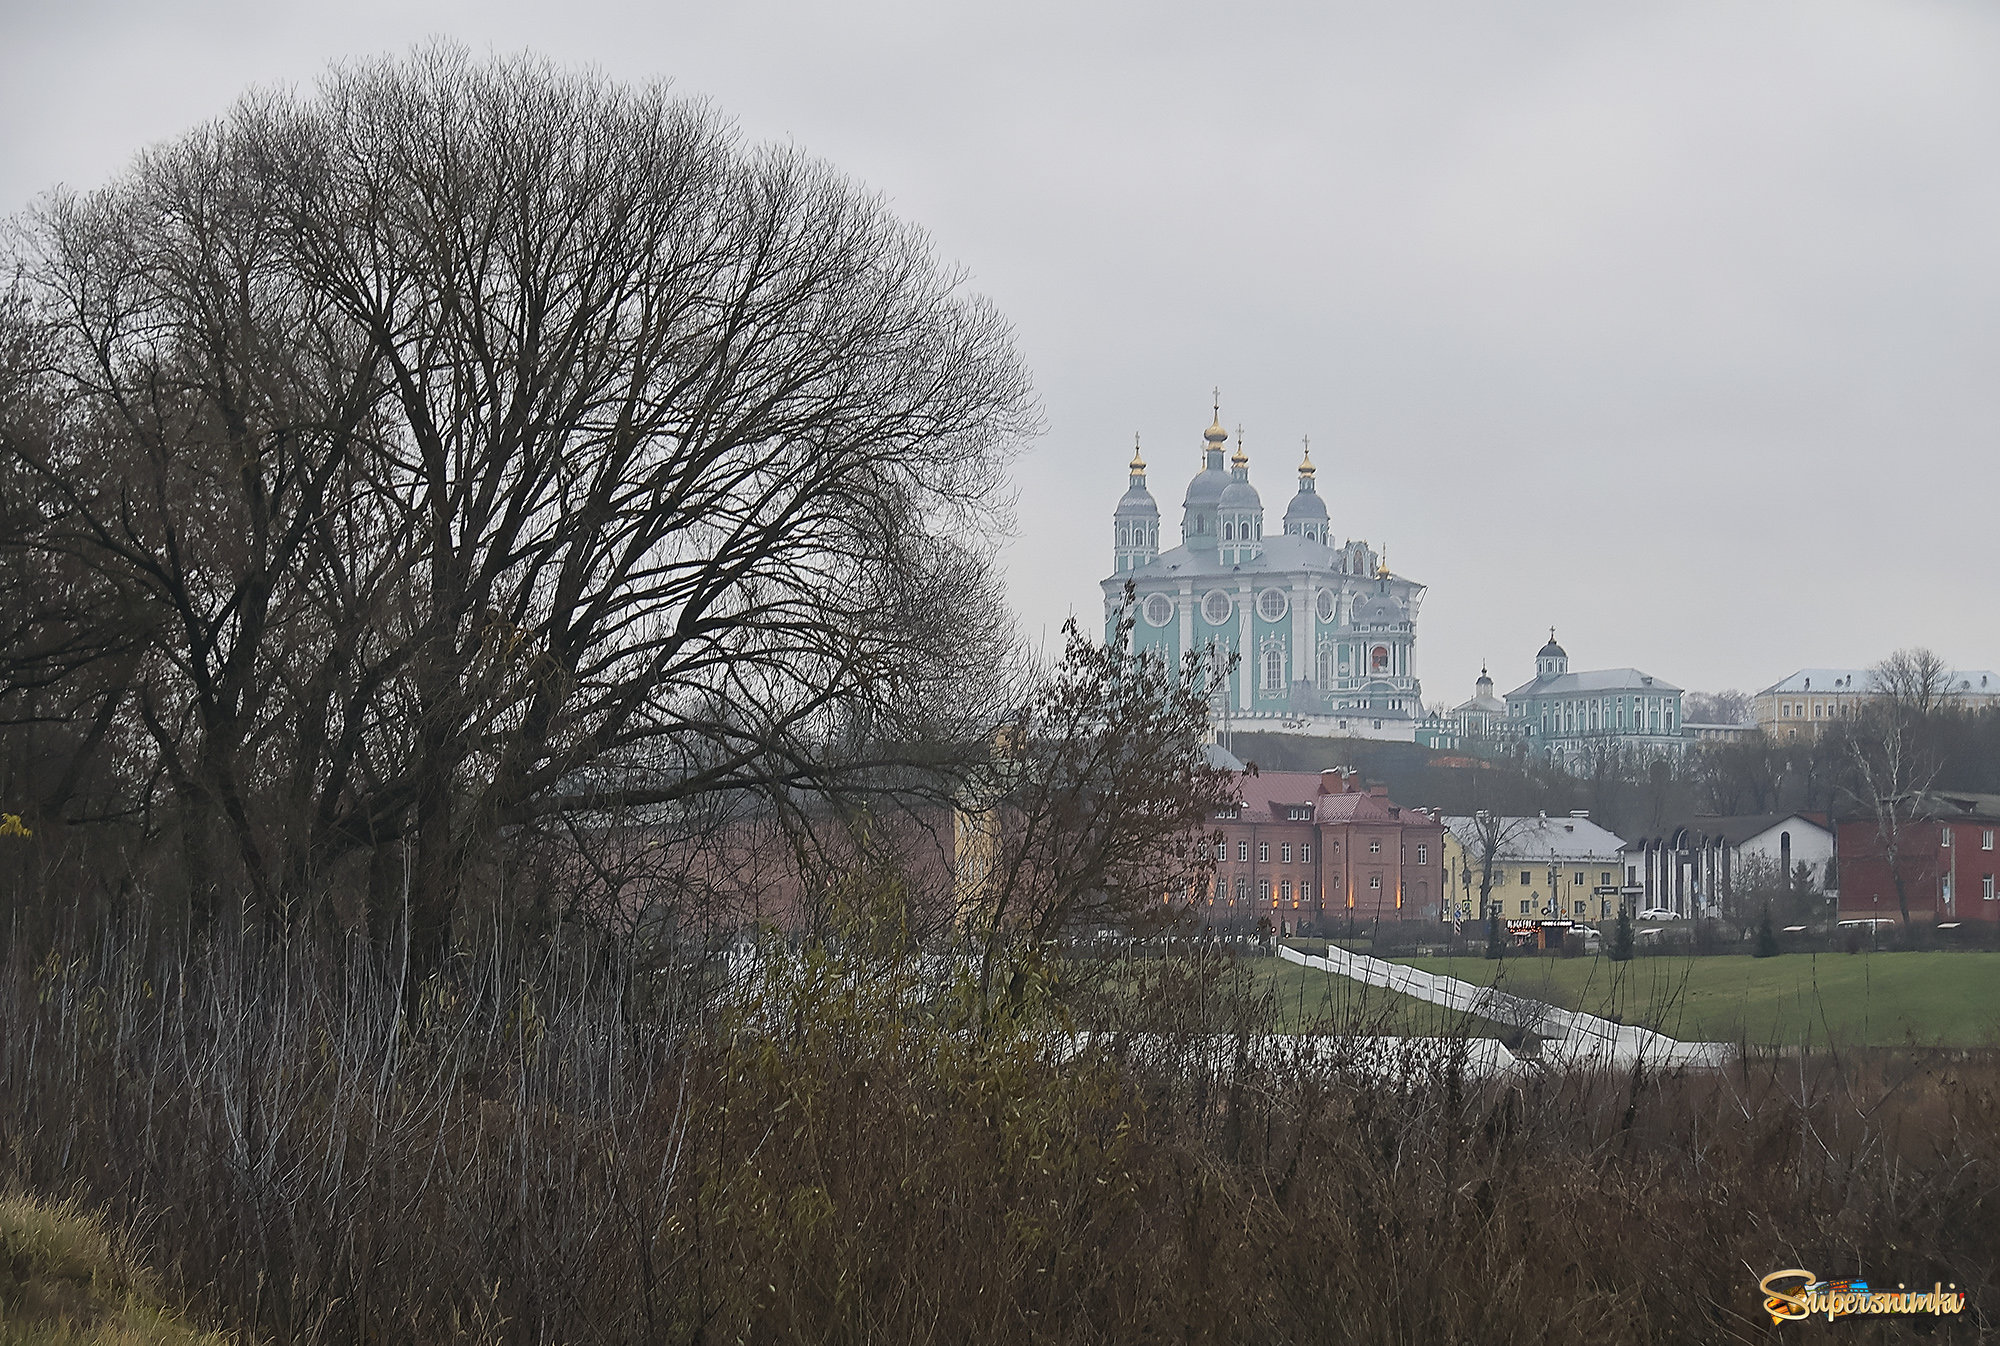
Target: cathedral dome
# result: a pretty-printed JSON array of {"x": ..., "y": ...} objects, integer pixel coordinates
[
  {"x": 1207, "y": 486},
  {"x": 1551, "y": 650},
  {"x": 1137, "y": 500},
  {"x": 1305, "y": 505},
  {"x": 1380, "y": 610},
  {"x": 1239, "y": 495}
]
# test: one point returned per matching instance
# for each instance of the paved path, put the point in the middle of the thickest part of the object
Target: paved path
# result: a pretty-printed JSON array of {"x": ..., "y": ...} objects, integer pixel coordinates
[{"x": 1568, "y": 1037}]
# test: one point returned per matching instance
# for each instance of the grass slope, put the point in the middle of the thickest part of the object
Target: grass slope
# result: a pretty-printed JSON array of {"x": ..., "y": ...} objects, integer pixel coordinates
[
  {"x": 1306, "y": 1000},
  {"x": 63, "y": 1282},
  {"x": 1928, "y": 998}
]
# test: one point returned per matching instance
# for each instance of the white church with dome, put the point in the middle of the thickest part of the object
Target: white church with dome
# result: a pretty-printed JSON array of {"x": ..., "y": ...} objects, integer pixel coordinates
[{"x": 1325, "y": 633}]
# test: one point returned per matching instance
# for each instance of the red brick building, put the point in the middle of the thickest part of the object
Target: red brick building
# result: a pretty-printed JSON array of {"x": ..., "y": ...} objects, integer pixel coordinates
[
  {"x": 1947, "y": 858},
  {"x": 1313, "y": 851}
]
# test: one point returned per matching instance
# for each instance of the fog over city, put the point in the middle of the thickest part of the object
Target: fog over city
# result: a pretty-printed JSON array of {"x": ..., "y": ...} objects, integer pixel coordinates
[{"x": 1670, "y": 326}]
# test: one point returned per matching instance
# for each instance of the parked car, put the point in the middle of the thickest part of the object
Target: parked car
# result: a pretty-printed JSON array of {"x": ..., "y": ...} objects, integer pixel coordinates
[{"x": 1659, "y": 914}]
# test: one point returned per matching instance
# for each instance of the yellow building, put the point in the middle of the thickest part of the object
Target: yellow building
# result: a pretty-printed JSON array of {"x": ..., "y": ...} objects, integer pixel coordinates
[{"x": 1566, "y": 867}]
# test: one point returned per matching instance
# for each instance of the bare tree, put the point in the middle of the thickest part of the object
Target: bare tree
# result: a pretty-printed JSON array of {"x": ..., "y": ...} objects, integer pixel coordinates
[
  {"x": 473, "y": 445},
  {"x": 1098, "y": 804},
  {"x": 1487, "y": 838},
  {"x": 1915, "y": 681},
  {"x": 1726, "y": 707},
  {"x": 1891, "y": 767}
]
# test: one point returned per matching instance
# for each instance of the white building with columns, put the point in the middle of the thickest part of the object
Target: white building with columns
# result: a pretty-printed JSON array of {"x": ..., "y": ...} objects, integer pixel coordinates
[{"x": 1325, "y": 633}]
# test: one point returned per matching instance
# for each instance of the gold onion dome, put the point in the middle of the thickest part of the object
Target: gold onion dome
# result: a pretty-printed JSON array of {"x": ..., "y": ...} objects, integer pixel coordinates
[
  {"x": 1239, "y": 458},
  {"x": 1138, "y": 463},
  {"x": 1215, "y": 434},
  {"x": 1306, "y": 468}
]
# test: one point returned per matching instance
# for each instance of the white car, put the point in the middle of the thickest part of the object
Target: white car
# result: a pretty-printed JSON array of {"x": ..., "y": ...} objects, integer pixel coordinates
[{"x": 1659, "y": 914}]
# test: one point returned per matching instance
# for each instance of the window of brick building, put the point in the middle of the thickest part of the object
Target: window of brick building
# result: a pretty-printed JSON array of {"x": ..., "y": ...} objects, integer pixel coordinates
[
  {"x": 1374, "y": 880},
  {"x": 1306, "y": 850},
  {"x": 1242, "y": 852},
  {"x": 1423, "y": 853},
  {"x": 1285, "y": 853},
  {"x": 1263, "y": 852},
  {"x": 1375, "y": 846}
]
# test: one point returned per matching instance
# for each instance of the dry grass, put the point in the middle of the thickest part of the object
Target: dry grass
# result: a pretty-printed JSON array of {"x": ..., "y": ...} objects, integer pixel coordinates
[
  {"x": 546, "y": 1154},
  {"x": 64, "y": 1281}
]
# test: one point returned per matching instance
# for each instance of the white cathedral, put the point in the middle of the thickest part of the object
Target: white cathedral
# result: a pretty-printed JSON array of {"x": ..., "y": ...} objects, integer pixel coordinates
[{"x": 1326, "y": 633}]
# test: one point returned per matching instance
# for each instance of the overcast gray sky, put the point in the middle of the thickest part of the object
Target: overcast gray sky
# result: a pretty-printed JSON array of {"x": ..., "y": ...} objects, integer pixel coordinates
[{"x": 1671, "y": 325}]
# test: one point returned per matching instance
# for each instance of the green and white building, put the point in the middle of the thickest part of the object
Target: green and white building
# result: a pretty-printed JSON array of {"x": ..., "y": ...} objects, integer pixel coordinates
[
  {"x": 1326, "y": 634},
  {"x": 1577, "y": 719}
]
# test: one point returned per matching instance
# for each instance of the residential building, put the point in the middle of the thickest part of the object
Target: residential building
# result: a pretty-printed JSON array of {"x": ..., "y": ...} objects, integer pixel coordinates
[
  {"x": 1577, "y": 719},
  {"x": 1564, "y": 867},
  {"x": 1698, "y": 866},
  {"x": 1798, "y": 708},
  {"x": 1942, "y": 849},
  {"x": 1315, "y": 851},
  {"x": 1324, "y": 633}
]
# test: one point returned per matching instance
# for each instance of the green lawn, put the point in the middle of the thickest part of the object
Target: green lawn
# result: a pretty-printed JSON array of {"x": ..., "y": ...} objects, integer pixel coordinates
[
  {"x": 1874, "y": 999},
  {"x": 1270, "y": 995},
  {"x": 1305, "y": 1000}
]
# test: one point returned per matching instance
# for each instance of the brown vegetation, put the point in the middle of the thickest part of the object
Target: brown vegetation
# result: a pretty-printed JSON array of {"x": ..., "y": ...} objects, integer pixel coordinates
[{"x": 562, "y": 1151}]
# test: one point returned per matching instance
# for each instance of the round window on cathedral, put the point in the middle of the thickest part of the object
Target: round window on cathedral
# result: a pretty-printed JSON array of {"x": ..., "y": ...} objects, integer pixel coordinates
[
  {"x": 1327, "y": 604},
  {"x": 1271, "y": 604},
  {"x": 1159, "y": 609},
  {"x": 1215, "y": 607}
]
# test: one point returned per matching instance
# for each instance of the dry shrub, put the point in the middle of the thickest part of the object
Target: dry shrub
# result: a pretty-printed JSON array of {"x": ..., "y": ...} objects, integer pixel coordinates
[{"x": 557, "y": 1149}]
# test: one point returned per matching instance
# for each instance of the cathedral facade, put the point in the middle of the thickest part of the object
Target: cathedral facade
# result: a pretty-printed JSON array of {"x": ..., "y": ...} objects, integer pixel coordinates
[{"x": 1324, "y": 634}]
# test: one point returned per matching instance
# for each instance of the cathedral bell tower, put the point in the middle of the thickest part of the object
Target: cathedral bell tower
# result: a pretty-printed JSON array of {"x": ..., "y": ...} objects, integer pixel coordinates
[{"x": 1136, "y": 523}]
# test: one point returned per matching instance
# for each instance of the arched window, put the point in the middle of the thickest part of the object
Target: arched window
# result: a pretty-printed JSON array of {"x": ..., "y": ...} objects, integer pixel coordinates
[
  {"x": 1326, "y": 674},
  {"x": 1274, "y": 670},
  {"x": 1229, "y": 532}
]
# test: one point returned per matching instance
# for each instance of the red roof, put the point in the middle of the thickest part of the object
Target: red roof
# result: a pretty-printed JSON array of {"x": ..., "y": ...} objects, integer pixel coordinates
[{"x": 1337, "y": 798}]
